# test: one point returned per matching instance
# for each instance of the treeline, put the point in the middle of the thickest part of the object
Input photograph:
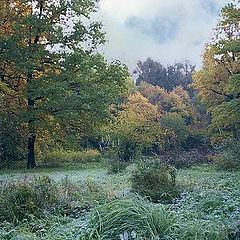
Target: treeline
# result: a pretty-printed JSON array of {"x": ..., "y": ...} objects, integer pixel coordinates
[
  {"x": 57, "y": 92},
  {"x": 152, "y": 119}
]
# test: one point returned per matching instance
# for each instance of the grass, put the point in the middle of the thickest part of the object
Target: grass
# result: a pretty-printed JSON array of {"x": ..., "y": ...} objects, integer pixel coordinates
[
  {"x": 129, "y": 217},
  {"x": 209, "y": 208}
]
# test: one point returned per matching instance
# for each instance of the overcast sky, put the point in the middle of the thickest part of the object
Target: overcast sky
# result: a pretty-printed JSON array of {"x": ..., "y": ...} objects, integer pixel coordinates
[{"x": 165, "y": 30}]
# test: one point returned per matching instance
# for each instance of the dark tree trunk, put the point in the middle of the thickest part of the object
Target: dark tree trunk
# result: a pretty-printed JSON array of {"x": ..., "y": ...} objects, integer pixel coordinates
[
  {"x": 31, "y": 129},
  {"x": 31, "y": 152}
]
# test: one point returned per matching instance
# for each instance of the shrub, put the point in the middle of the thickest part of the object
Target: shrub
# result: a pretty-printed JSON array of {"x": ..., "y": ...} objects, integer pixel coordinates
[
  {"x": 154, "y": 179},
  {"x": 128, "y": 219},
  {"x": 229, "y": 156},
  {"x": 60, "y": 157}
]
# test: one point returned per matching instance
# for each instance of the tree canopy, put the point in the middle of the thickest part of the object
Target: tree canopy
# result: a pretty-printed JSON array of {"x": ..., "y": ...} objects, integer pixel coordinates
[
  {"x": 50, "y": 70},
  {"x": 153, "y": 72},
  {"x": 218, "y": 80}
]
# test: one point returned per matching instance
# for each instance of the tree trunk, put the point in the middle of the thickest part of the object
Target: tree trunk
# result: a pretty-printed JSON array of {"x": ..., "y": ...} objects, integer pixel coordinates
[
  {"x": 31, "y": 152},
  {"x": 31, "y": 128}
]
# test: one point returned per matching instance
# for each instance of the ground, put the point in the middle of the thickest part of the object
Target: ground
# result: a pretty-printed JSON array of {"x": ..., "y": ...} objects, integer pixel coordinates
[{"x": 211, "y": 200}]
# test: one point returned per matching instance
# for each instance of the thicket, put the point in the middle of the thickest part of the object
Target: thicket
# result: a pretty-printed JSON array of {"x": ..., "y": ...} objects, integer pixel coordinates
[
  {"x": 116, "y": 166},
  {"x": 186, "y": 158}
]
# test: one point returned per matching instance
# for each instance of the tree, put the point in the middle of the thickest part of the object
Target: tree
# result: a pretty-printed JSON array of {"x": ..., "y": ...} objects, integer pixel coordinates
[
  {"x": 176, "y": 124},
  {"x": 183, "y": 117},
  {"x": 135, "y": 127},
  {"x": 153, "y": 72},
  {"x": 218, "y": 80},
  {"x": 49, "y": 63},
  {"x": 12, "y": 135},
  {"x": 177, "y": 100}
]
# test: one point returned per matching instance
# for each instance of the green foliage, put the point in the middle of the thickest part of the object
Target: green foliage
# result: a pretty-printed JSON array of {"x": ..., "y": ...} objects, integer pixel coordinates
[
  {"x": 126, "y": 148},
  {"x": 152, "y": 178},
  {"x": 218, "y": 80},
  {"x": 56, "y": 91},
  {"x": 200, "y": 231},
  {"x": 51, "y": 227},
  {"x": 60, "y": 157},
  {"x": 181, "y": 117},
  {"x": 208, "y": 209},
  {"x": 229, "y": 156},
  {"x": 91, "y": 193},
  {"x": 74, "y": 198},
  {"x": 116, "y": 166},
  {"x": 134, "y": 128},
  {"x": 155, "y": 73},
  {"x": 129, "y": 219},
  {"x": 175, "y": 123},
  {"x": 234, "y": 84},
  {"x": 226, "y": 116},
  {"x": 30, "y": 198},
  {"x": 21, "y": 199},
  {"x": 12, "y": 134},
  {"x": 178, "y": 100}
]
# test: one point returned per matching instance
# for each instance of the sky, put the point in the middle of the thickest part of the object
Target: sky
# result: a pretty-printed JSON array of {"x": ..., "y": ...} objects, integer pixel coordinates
[{"x": 168, "y": 31}]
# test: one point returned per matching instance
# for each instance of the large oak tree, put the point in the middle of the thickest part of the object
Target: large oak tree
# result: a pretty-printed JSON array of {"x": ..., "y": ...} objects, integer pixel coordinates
[{"x": 49, "y": 67}]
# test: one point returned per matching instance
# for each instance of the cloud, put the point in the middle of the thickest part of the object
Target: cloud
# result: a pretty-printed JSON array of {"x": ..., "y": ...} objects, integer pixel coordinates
[
  {"x": 168, "y": 31},
  {"x": 167, "y": 26}
]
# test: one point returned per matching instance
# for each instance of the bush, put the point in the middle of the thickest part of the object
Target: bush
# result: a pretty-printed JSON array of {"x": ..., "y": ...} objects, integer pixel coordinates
[
  {"x": 154, "y": 179},
  {"x": 128, "y": 149},
  {"x": 128, "y": 219},
  {"x": 60, "y": 157},
  {"x": 229, "y": 156}
]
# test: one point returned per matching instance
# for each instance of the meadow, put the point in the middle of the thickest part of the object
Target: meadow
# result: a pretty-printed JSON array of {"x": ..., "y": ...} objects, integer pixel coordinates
[
  {"x": 97, "y": 148},
  {"x": 93, "y": 204}
]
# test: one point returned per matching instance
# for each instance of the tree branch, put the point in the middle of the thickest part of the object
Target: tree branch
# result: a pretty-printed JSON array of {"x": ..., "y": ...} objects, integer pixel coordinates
[{"x": 231, "y": 97}]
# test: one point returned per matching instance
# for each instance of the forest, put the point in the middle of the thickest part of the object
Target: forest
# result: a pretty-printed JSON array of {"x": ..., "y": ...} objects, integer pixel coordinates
[{"x": 92, "y": 150}]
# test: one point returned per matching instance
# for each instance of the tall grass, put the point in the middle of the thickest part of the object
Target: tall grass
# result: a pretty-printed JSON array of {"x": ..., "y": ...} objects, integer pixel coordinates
[
  {"x": 34, "y": 197},
  {"x": 21, "y": 199},
  {"x": 129, "y": 219}
]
